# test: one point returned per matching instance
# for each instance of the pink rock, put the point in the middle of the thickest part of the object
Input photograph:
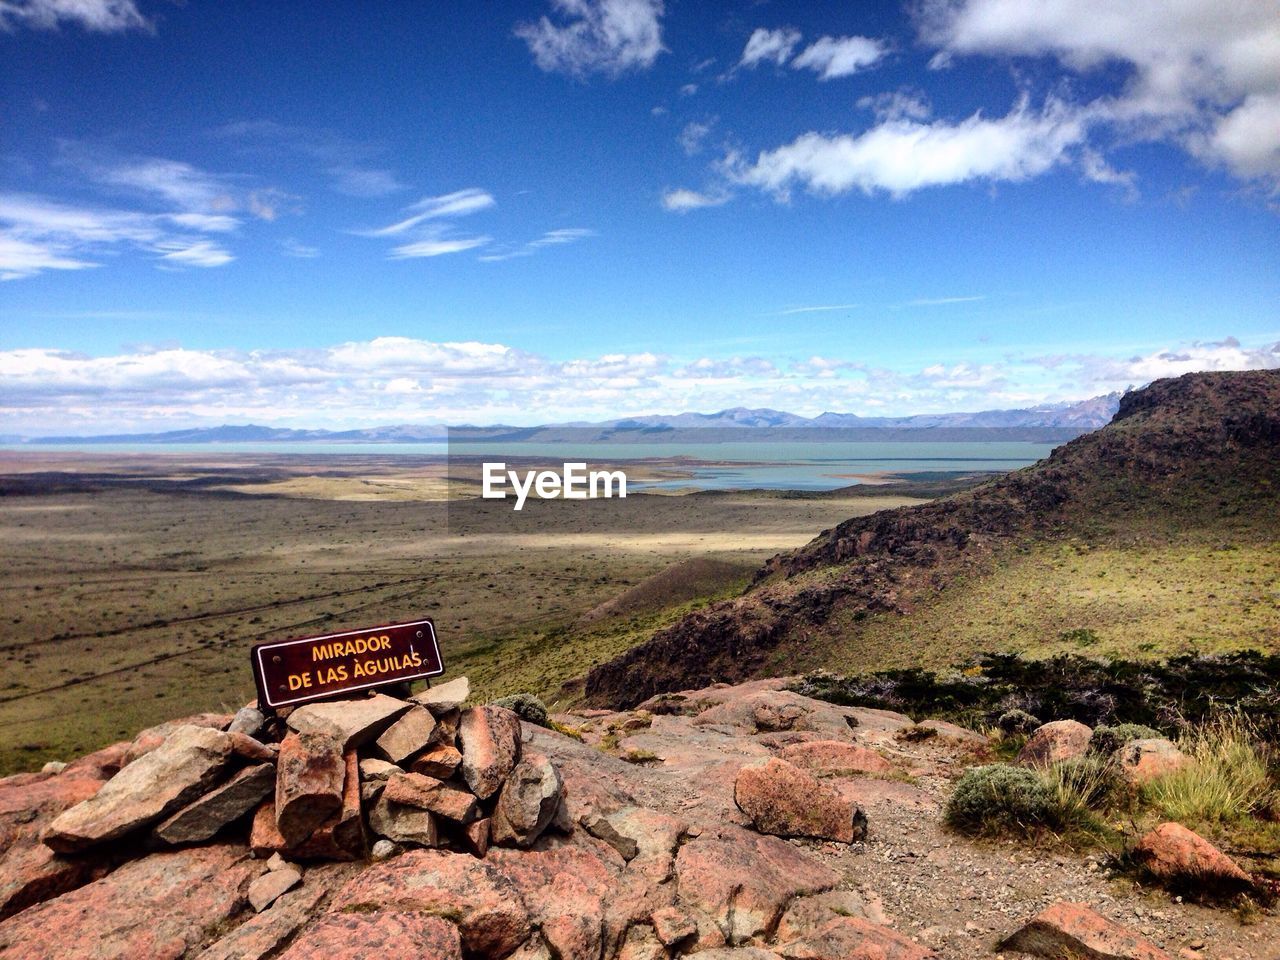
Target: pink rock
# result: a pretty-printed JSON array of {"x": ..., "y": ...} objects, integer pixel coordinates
[
  {"x": 152, "y": 737},
  {"x": 1175, "y": 855},
  {"x": 527, "y": 803},
  {"x": 743, "y": 880},
  {"x": 1141, "y": 761},
  {"x": 408, "y": 735},
  {"x": 784, "y": 800},
  {"x": 440, "y": 761},
  {"x": 271, "y": 886},
  {"x": 488, "y": 905},
  {"x": 489, "y": 738},
  {"x": 808, "y": 915},
  {"x": 1054, "y": 742},
  {"x": 252, "y": 750},
  {"x": 1074, "y": 930},
  {"x": 158, "y": 907},
  {"x": 310, "y": 775},
  {"x": 835, "y": 757},
  {"x": 673, "y": 925},
  {"x": 383, "y": 934},
  {"x": 427, "y": 793},
  {"x": 204, "y": 817},
  {"x": 853, "y": 938},
  {"x": 352, "y": 723},
  {"x": 477, "y": 835}
]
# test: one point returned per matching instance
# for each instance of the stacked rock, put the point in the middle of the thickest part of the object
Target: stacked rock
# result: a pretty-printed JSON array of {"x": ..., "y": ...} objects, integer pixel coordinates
[{"x": 334, "y": 780}]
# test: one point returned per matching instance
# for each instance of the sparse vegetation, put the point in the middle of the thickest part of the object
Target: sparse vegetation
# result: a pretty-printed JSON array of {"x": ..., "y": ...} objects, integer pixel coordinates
[
  {"x": 996, "y": 797},
  {"x": 1017, "y": 721}
]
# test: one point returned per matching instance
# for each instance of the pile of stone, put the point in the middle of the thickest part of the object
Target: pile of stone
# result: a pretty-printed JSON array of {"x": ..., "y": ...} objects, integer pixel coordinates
[{"x": 334, "y": 780}]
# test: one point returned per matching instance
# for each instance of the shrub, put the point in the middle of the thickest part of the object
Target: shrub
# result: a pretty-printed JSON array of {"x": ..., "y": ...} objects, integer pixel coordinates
[
  {"x": 1017, "y": 721},
  {"x": 1084, "y": 784},
  {"x": 528, "y": 707},
  {"x": 1228, "y": 779},
  {"x": 996, "y": 797},
  {"x": 1107, "y": 740}
]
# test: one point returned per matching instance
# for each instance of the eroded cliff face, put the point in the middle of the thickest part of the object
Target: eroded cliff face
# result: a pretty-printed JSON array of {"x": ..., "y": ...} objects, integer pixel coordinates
[{"x": 1190, "y": 452}]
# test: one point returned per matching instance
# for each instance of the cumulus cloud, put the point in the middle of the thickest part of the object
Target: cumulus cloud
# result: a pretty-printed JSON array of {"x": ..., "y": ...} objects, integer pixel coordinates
[
  {"x": 596, "y": 36},
  {"x": 769, "y": 46},
  {"x": 97, "y": 16},
  {"x": 38, "y": 234},
  {"x": 902, "y": 155},
  {"x": 682, "y": 200},
  {"x": 403, "y": 379},
  {"x": 1202, "y": 72},
  {"x": 833, "y": 57}
]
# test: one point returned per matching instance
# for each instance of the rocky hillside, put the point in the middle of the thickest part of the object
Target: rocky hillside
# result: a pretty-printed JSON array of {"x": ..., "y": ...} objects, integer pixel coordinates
[
  {"x": 730, "y": 823},
  {"x": 1200, "y": 451}
]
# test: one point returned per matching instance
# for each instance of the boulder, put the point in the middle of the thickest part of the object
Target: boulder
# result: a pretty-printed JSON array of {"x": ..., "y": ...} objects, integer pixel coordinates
[
  {"x": 440, "y": 761},
  {"x": 310, "y": 776},
  {"x": 31, "y": 873},
  {"x": 1182, "y": 858},
  {"x": 527, "y": 803},
  {"x": 352, "y": 723},
  {"x": 646, "y": 838},
  {"x": 248, "y": 720},
  {"x": 152, "y": 737},
  {"x": 489, "y": 738},
  {"x": 784, "y": 800},
  {"x": 743, "y": 880},
  {"x": 477, "y": 835},
  {"x": 673, "y": 926},
  {"x": 383, "y": 934},
  {"x": 1055, "y": 741},
  {"x": 271, "y": 886},
  {"x": 408, "y": 735},
  {"x": 159, "y": 907},
  {"x": 426, "y": 793},
  {"x": 1074, "y": 930},
  {"x": 642, "y": 943},
  {"x": 201, "y": 819},
  {"x": 183, "y": 767},
  {"x": 1141, "y": 761},
  {"x": 853, "y": 938},
  {"x": 341, "y": 837},
  {"x": 808, "y": 915},
  {"x": 403, "y": 824},
  {"x": 835, "y": 757},
  {"x": 488, "y": 907},
  {"x": 445, "y": 697}
]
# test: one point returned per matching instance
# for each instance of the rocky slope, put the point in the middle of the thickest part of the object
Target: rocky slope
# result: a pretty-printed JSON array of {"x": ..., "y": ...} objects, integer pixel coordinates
[
  {"x": 733, "y": 823},
  {"x": 1200, "y": 450}
]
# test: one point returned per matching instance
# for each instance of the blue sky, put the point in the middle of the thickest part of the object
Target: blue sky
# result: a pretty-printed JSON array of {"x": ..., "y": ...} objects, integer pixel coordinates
[{"x": 415, "y": 212}]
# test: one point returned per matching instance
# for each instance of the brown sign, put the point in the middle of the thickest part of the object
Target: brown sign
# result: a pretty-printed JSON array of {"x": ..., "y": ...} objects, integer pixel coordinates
[{"x": 290, "y": 672}]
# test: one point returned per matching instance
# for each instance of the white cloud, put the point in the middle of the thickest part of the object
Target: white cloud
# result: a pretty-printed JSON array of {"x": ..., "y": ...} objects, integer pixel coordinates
[
  {"x": 901, "y": 156},
  {"x": 38, "y": 234},
  {"x": 436, "y": 247},
  {"x": 460, "y": 203},
  {"x": 1203, "y": 72},
  {"x": 596, "y": 36},
  {"x": 832, "y": 57},
  {"x": 694, "y": 135},
  {"x": 403, "y": 379},
  {"x": 682, "y": 200},
  {"x": 98, "y": 16},
  {"x": 302, "y": 251},
  {"x": 769, "y": 46},
  {"x": 552, "y": 238}
]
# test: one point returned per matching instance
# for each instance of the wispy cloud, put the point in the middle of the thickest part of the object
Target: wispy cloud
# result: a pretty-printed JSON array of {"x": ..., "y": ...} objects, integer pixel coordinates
[
  {"x": 97, "y": 16},
  {"x": 457, "y": 204},
  {"x": 292, "y": 248},
  {"x": 552, "y": 238},
  {"x": 436, "y": 247},
  {"x": 818, "y": 308},
  {"x": 682, "y": 200},
  {"x": 350, "y": 165},
  {"x": 596, "y": 36},
  {"x": 941, "y": 301},
  {"x": 427, "y": 228}
]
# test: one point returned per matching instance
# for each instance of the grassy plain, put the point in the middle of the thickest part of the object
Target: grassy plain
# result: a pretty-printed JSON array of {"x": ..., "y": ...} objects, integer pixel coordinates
[{"x": 131, "y": 588}]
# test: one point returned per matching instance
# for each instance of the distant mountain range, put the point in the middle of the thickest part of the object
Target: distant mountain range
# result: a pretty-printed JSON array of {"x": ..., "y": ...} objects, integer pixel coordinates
[{"x": 1045, "y": 422}]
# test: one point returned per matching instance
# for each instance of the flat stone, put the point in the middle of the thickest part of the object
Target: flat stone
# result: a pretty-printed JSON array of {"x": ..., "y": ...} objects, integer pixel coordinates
[
  {"x": 374, "y": 769},
  {"x": 673, "y": 925},
  {"x": 383, "y": 934},
  {"x": 1054, "y": 742},
  {"x": 310, "y": 776},
  {"x": 835, "y": 757},
  {"x": 152, "y": 737},
  {"x": 183, "y": 767},
  {"x": 489, "y": 738},
  {"x": 783, "y": 800},
  {"x": 427, "y": 793},
  {"x": 253, "y": 750},
  {"x": 527, "y": 803},
  {"x": 271, "y": 886},
  {"x": 31, "y": 873},
  {"x": 158, "y": 908},
  {"x": 1177, "y": 856},
  {"x": 440, "y": 761},
  {"x": 403, "y": 824},
  {"x": 352, "y": 723},
  {"x": 445, "y": 697},
  {"x": 853, "y": 938},
  {"x": 489, "y": 908},
  {"x": 410, "y": 734},
  {"x": 1075, "y": 930},
  {"x": 203, "y": 818},
  {"x": 248, "y": 720},
  {"x": 743, "y": 880}
]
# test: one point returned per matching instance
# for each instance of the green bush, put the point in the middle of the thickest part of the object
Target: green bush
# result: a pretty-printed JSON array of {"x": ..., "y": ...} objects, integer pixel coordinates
[
  {"x": 996, "y": 797},
  {"x": 1017, "y": 721},
  {"x": 1107, "y": 740},
  {"x": 528, "y": 707}
]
